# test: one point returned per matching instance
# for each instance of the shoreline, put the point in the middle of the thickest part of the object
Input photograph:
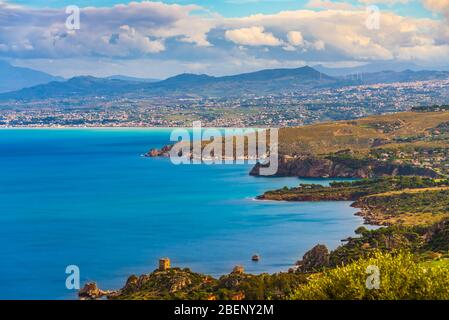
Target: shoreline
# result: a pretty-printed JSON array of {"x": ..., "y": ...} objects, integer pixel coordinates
[{"x": 130, "y": 127}]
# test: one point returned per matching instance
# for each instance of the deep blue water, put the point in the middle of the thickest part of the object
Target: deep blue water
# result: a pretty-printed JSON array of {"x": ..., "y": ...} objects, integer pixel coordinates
[{"x": 86, "y": 197}]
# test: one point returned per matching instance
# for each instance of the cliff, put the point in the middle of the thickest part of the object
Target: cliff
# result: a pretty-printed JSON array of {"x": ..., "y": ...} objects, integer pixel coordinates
[{"x": 334, "y": 167}]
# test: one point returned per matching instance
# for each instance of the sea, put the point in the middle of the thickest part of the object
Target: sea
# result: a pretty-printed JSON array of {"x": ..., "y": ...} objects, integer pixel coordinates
[{"x": 86, "y": 197}]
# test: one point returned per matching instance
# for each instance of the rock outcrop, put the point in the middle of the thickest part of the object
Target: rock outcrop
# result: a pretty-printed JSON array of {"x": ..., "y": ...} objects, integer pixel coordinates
[
  {"x": 163, "y": 152},
  {"x": 315, "y": 167},
  {"x": 314, "y": 259},
  {"x": 90, "y": 291}
]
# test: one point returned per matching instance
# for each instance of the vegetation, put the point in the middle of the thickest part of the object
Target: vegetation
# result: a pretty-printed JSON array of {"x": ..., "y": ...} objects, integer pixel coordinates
[
  {"x": 184, "y": 284},
  {"x": 401, "y": 278},
  {"x": 360, "y": 135},
  {"x": 352, "y": 190}
]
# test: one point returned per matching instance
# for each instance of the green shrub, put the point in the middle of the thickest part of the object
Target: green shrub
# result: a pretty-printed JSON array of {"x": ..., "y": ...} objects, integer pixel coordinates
[{"x": 401, "y": 278}]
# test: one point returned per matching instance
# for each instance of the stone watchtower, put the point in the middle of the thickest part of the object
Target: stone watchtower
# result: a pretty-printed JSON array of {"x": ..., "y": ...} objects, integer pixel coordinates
[{"x": 164, "y": 264}]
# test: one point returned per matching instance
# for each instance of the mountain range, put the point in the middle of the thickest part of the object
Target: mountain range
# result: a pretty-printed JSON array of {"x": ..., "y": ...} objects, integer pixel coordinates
[
  {"x": 15, "y": 78},
  {"x": 269, "y": 81},
  {"x": 264, "y": 81}
]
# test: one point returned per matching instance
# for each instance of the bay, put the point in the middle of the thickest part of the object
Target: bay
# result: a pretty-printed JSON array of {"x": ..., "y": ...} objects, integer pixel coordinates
[{"x": 86, "y": 197}]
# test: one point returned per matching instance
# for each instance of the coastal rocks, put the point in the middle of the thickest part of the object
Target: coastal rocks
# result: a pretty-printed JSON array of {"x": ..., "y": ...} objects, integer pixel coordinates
[
  {"x": 162, "y": 283},
  {"x": 183, "y": 284},
  {"x": 90, "y": 291},
  {"x": 314, "y": 259},
  {"x": 336, "y": 167},
  {"x": 313, "y": 167},
  {"x": 163, "y": 152},
  {"x": 153, "y": 153}
]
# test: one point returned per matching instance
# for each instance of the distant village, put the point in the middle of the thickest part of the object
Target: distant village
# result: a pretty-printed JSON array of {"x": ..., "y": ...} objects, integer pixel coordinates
[{"x": 280, "y": 110}]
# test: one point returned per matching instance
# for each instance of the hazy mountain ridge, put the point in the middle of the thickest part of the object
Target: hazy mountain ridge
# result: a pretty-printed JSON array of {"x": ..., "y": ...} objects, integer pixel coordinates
[
  {"x": 264, "y": 81},
  {"x": 268, "y": 81},
  {"x": 403, "y": 76},
  {"x": 15, "y": 78}
]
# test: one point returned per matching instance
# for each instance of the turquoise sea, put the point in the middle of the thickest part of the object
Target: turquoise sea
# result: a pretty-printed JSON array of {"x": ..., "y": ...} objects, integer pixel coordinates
[{"x": 86, "y": 197}]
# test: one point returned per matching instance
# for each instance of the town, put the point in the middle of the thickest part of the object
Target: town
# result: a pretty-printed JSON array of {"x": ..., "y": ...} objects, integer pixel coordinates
[{"x": 277, "y": 110}]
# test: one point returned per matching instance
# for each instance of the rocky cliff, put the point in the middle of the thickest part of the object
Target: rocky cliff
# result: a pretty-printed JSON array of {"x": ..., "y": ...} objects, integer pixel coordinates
[{"x": 334, "y": 167}]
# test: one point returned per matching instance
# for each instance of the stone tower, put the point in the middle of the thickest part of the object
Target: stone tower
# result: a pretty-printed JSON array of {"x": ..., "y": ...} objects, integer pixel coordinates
[{"x": 164, "y": 264}]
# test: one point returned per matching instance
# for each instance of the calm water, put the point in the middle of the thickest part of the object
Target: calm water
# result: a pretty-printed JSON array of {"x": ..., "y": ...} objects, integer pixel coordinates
[{"x": 86, "y": 197}]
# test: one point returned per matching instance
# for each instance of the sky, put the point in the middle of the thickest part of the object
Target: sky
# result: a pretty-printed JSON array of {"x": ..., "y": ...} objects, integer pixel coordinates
[{"x": 154, "y": 39}]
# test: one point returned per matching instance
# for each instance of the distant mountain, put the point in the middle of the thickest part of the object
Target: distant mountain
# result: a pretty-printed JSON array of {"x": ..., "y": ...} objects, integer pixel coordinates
[
  {"x": 306, "y": 74},
  {"x": 83, "y": 86},
  {"x": 15, "y": 78},
  {"x": 270, "y": 81},
  {"x": 260, "y": 82},
  {"x": 370, "y": 68},
  {"x": 126, "y": 78},
  {"x": 186, "y": 79},
  {"x": 402, "y": 76}
]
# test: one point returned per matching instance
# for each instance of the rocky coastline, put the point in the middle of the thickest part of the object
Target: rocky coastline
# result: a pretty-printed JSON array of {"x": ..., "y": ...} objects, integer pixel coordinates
[
  {"x": 401, "y": 189},
  {"x": 308, "y": 166}
]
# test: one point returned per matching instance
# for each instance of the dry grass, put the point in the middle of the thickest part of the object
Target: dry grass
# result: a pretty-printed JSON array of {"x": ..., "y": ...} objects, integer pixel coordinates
[{"x": 357, "y": 135}]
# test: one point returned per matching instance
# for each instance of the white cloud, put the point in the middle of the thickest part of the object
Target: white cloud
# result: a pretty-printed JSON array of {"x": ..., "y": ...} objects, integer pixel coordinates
[
  {"x": 439, "y": 6},
  {"x": 295, "y": 38},
  {"x": 425, "y": 53},
  {"x": 326, "y": 4},
  {"x": 138, "y": 28},
  {"x": 319, "y": 45},
  {"x": 186, "y": 39},
  {"x": 252, "y": 36}
]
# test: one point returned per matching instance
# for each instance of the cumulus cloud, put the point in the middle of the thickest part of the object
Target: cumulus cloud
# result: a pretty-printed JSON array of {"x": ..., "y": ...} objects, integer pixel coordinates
[
  {"x": 189, "y": 35},
  {"x": 424, "y": 53},
  {"x": 295, "y": 38},
  {"x": 326, "y": 4},
  {"x": 342, "y": 34},
  {"x": 122, "y": 30},
  {"x": 439, "y": 6},
  {"x": 252, "y": 36}
]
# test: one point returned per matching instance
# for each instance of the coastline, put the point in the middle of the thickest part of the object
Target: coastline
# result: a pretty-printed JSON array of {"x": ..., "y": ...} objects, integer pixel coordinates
[
  {"x": 88, "y": 128},
  {"x": 126, "y": 127}
]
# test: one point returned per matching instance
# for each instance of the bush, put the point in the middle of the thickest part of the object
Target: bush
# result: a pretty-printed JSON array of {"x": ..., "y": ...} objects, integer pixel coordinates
[{"x": 401, "y": 278}]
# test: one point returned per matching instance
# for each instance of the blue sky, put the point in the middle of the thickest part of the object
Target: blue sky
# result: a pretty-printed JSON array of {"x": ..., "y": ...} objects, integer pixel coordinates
[
  {"x": 160, "y": 39},
  {"x": 236, "y": 8}
]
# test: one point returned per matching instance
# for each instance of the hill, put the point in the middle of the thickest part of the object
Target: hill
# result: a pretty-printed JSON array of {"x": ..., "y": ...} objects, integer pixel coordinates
[
  {"x": 402, "y": 76},
  {"x": 358, "y": 135},
  {"x": 260, "y": 82},
  {"x": 127, "y": 78},
  {"x": 84, "y": 86},
  {"x": 263, "y": 82},
  {"x": 15, "y": 78},
  {"x": 371, "y": 68},
  {"x": 407, "y": 143}
]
